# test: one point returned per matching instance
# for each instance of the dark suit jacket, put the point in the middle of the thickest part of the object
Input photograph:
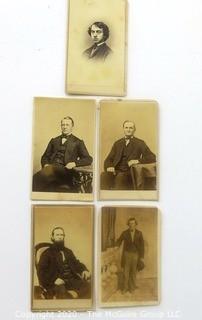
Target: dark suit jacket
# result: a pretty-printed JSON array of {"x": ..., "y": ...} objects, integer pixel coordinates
[
  {"x": 137, "y": 150},
  {"x": 101, "y": 53},
  {"x": 50, "y": 266},
  {"x": 75, "y": 152},
  {"x": 128, "y": 245}
]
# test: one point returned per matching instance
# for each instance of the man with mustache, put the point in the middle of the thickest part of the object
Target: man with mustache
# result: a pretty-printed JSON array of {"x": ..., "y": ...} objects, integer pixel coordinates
[
  {"x": 61, "y": 156},
  {"x": 60, "y": 273}
]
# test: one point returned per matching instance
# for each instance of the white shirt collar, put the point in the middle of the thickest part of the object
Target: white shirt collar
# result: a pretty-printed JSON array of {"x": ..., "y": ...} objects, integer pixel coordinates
[{"x": 99, "y": 44}]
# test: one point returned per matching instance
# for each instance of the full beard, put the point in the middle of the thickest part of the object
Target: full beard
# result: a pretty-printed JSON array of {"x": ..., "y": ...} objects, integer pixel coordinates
[{"x": 59, "y": 244}]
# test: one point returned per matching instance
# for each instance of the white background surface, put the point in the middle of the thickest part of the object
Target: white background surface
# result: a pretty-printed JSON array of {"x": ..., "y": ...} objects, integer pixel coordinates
[{"x": 165, "y": 63}]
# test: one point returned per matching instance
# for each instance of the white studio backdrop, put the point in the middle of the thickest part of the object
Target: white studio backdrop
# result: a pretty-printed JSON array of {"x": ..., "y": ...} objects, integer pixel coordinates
[{"x": 164, "y": 63}]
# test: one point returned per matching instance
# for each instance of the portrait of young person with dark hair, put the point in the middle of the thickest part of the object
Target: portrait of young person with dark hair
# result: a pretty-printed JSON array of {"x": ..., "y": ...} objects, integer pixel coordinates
[{"x": 99, "y": 32}]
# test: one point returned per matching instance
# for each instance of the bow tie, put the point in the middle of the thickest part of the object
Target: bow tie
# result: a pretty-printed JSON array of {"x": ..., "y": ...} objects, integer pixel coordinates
[
  {"x": 65, "y": 136},
  {"x": 128, "y": 138}
]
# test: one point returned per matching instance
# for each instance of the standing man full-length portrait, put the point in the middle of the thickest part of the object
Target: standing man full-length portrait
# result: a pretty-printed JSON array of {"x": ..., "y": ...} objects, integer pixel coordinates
[
  {"x": 132, "y": 256},
  {"x": 129, "y": 261}
]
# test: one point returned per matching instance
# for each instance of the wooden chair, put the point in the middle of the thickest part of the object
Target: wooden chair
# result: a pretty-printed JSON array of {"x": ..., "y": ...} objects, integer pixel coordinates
[
  {"x": 40, "y": 291},
  {"x": 84, "y": 180}
]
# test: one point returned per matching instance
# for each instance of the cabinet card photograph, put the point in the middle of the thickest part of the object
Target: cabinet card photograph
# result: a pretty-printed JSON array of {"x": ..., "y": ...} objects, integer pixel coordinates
[
  {"x": 63, "y": 148},
  {"x": 96, "y": 49},
  {"x": 62, "y": 258},
  {"x": 128, "y": 150},
  {"x": 129, "y": 261}
]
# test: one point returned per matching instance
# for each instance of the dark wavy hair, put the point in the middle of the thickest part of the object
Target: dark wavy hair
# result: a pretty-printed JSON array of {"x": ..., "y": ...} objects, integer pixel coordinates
[
  {"x": 132, "y": 219},
  {"x": 102, "y": 26}
]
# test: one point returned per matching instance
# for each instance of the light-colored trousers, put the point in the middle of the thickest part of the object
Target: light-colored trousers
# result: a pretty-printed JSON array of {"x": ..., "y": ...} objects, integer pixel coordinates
[{"x": 130, "y": 270}]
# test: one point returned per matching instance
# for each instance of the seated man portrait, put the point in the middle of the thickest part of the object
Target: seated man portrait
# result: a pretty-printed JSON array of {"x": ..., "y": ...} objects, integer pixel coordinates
[
  {"x": 126, "y": 153},
  {"x": 60, "y": 273},
  {"x": 99, "y": 32},
  {"x": 62, "y": 155}
]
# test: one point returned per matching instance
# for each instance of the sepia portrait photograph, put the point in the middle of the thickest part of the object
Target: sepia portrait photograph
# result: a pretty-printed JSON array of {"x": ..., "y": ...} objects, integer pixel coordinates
[
  {"x": 128, "y": 154},
  {"x": 97, "y": 37},
  {"x": 62, "y": 258},
  {"x": 129, "y": 260},
  {"x": 63, "y": 148}
]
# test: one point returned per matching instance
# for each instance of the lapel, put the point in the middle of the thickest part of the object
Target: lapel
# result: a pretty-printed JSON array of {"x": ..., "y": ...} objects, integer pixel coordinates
[
  {"x": 131, "y": 148},
  {"x": 98, "y": 50},
  {"x": 57, "y": 258},
  {"x": 70, "y": 146},
  {"x": 119, "y": 151},
  {"x": 129, "y": 236},
  {"x": 93, "y": 51},
  {"x": 58, "y": 142},
  {"x": 135, "y": 236}
]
